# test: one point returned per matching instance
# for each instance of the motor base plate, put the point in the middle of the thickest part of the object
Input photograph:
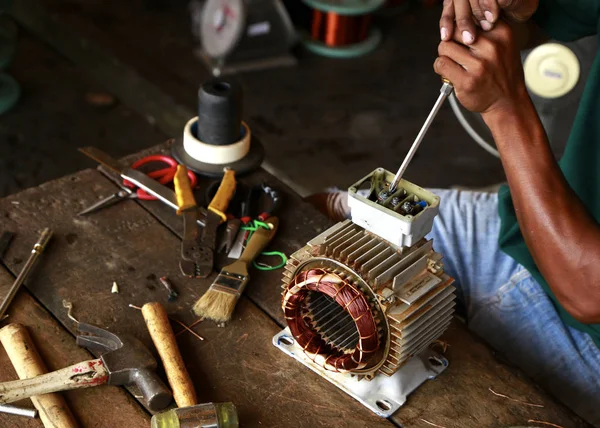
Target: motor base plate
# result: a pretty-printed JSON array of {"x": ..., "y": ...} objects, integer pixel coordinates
[{"x": 382, "y": 395}]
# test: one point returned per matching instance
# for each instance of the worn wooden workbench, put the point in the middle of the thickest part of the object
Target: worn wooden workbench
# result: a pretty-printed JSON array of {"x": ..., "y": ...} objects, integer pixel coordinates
[{"x": 134, "y": 243}]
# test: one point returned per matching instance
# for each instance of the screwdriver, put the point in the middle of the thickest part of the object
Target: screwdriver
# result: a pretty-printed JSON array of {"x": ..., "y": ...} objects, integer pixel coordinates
[{"x": 445, "y": 91}]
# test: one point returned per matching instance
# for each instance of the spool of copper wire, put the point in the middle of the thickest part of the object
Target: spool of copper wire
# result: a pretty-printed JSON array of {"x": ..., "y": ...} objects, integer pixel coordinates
[
  {"x": 339, "y": 30},
  {"x": 342, "y": 28}
]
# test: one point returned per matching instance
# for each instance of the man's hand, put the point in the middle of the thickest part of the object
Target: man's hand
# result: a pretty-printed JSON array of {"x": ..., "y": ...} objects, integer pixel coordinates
[
  {"x": 466, "y": 13},
  {"x": 562, "y": 236},
  {"x": 487, "y": 75}
]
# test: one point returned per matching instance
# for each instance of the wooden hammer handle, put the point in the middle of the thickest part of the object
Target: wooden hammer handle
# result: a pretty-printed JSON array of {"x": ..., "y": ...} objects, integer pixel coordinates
[
  {"x": 162, "y": 335},
  {"x": 23, "y": 354}
]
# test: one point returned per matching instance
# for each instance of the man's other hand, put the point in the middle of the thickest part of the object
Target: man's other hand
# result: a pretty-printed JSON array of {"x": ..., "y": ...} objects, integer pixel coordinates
[
  {"x": 487, "y": 75},
  {"x": 464, "y": 16}
]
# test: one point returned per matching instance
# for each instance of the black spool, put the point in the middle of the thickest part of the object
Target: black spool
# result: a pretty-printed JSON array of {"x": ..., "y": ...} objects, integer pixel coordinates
[
  {"x": 219, "y": 112},
  {"x": 220, "y": 103}
]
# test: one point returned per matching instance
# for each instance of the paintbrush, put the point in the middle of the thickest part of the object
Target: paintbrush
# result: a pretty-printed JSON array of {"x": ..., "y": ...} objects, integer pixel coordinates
[{"x": 219, "y": 301}]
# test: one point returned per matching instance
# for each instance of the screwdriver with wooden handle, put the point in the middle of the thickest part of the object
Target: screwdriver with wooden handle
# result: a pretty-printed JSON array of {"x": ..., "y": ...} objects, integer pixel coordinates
[{"x": 445, "y": 91}]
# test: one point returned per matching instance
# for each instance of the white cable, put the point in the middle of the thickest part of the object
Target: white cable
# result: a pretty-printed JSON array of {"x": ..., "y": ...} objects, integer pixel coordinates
[{"x": 465, "y": 124}]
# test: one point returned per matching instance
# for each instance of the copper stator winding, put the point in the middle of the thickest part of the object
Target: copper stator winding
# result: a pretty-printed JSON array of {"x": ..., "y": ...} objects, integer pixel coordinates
[{"x": 306, "y": 332}]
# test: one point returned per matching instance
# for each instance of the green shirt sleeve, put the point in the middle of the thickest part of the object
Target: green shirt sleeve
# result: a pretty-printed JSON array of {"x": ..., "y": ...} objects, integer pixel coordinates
[{"x": 568, "y": 20}]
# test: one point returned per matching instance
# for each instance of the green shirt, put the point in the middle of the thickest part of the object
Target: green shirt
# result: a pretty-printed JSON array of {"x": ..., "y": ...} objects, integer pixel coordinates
[{"x": 566, "y": 20}]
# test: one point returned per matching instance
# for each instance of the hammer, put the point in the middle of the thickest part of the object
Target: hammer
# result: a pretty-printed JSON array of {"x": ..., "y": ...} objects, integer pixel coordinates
[{"x": 126, "y": 362}]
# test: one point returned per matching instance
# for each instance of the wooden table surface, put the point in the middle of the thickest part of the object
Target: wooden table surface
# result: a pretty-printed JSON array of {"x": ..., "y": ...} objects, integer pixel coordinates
[{"x": 134, "y": 243}]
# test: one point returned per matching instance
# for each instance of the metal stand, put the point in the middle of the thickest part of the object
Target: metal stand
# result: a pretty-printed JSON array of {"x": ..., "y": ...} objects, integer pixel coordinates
[{"x": 382, "y": 395}]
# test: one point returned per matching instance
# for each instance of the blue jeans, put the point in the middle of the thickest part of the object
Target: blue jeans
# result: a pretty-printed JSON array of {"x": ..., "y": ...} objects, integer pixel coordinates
[{"x": 508, "y": 308}]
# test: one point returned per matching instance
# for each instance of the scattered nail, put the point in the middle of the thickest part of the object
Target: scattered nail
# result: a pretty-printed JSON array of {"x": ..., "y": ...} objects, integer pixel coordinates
[
  {"x": 444, "y": 34},
  {"x": 467, "y": 37},
  {"x": 489, "y": 16},
  {"x": 485, "y": 25},
  {"x": 115, "y": 288}
]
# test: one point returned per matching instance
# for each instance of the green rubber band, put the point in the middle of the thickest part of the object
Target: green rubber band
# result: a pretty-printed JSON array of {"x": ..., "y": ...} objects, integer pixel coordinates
[
  {"x": 261, "y": 224},
  {"x": 269, "y": 268}
]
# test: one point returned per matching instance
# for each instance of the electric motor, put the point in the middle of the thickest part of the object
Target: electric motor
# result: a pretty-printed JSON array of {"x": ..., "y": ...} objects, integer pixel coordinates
[{"x": 367, "y": 295}]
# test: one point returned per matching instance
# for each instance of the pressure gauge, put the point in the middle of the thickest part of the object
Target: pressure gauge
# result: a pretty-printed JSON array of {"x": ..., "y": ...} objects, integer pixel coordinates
[
  {"x": 243, "y": 35},
  {"x": 222, "y": 26}
]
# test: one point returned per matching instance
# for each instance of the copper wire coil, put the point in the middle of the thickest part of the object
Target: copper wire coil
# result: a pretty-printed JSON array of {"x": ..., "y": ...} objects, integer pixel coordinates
[
  {"x": 339, "y": 30},
  {"x": 306, "y": 329}
]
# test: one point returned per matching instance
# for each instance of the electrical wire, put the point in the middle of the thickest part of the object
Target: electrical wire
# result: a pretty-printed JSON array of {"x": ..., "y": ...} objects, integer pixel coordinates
[
  {"x": 470, "y": 130},
  {"x": 253, "y": 227}
]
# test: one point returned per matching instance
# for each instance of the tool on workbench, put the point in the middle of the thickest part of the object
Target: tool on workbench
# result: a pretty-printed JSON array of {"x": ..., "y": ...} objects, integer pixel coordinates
[
  {"x": 257, "y": 203},
  {"x": 197, "y": 248},
  {"x": 23, "y": 354},
  {"x": 445, "y": 91},
  {"x": 5, "y": 240},
  {"x": 173, "y": 294},
  {"x": 207, "y": 415},
  {"x": 219, "y": 301},
  {"x": 232, "y": 229},
  {"x": 141, "y": 180},
  {"x": 243, "y": 35},
  {"x": 126, "y": 361},
  {"x": 163, "y": 337},
  {"x": 342, "y": 29},
  {"x": 128, "y": 189},
  {"x": 18, "y": 411},
  {"x": 38, "y": 248},
  {"x": 218, "y": 137}
]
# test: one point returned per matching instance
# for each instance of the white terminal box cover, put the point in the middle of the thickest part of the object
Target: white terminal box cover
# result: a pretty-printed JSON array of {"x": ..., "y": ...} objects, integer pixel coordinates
[{"x": 398, "y": 229}]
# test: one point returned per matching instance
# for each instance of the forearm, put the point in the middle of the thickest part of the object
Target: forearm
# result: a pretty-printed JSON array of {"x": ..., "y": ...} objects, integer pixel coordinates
[{"x": 563, "y": 238}]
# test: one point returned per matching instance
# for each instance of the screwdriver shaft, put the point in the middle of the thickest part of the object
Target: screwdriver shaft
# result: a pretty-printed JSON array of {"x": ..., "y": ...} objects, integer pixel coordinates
[
  {"x": 38, "y": 248},
  {"x": 445, "y": 91}
]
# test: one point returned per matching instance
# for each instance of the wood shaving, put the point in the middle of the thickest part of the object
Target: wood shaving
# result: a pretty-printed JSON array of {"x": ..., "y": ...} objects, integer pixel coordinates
[
  {"x": 545, "y": 423},
  {"x": 514, "y": 399},
  {"x": 432, "y": 424}
]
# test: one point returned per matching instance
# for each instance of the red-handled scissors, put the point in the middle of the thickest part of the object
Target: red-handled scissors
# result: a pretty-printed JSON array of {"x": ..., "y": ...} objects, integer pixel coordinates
[
  {"x": 163, "y": 176},
  {"x": 130, "y": 191}
]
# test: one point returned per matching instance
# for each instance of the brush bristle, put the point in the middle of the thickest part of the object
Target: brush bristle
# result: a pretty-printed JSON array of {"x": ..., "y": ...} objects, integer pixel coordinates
[{"x": 216, "y": 305}]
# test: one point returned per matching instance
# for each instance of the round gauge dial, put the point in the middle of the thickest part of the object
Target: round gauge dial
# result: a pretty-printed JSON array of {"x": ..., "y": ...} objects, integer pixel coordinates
[{"x": 222, "y": 26}]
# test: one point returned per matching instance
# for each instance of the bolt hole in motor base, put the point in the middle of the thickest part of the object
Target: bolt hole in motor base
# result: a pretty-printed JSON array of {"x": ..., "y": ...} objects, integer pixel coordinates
[{"x": 382, "y": 395}]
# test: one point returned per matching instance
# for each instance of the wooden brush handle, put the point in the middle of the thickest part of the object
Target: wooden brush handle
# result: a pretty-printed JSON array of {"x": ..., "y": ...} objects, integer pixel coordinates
[
  {"x": 162, "y": 335},
  {"x": 259, "y": 240},
  {"x": 24, "y": 357},
  {"x": 183, "y": 189}
]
